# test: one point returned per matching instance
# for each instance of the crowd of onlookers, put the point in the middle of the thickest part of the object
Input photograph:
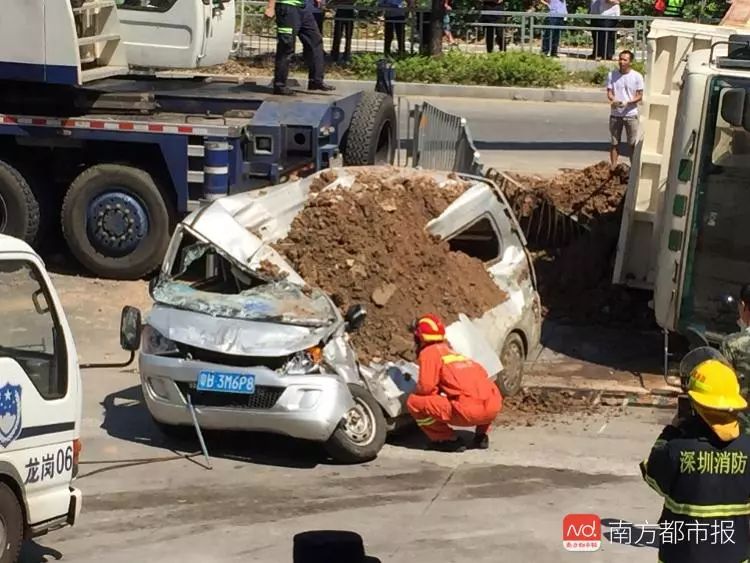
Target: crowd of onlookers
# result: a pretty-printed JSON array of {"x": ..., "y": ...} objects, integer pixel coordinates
[{"x": 493, "y": 26}]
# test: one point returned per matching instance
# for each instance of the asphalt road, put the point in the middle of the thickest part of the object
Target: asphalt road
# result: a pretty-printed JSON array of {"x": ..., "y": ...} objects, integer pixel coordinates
[
  {"x": 144, "y": 500},
  {"x": 529, "y": 137}
]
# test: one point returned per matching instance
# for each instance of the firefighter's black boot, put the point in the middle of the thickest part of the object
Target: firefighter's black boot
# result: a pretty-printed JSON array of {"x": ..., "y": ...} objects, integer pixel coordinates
[
  {"x": 456, "y": 446},
  {"x": 481, "y": 441}
]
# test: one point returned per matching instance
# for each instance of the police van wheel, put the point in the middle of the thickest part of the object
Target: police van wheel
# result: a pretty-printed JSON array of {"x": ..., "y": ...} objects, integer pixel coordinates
[
  {"x": 361, "y": 435},
  {"x": 117, "y": 221},
  {"x": 11, "y": 525}
]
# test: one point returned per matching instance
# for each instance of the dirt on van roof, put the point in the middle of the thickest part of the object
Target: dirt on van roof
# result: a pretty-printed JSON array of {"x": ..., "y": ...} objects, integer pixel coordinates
[{"x": 367, "y": 244}]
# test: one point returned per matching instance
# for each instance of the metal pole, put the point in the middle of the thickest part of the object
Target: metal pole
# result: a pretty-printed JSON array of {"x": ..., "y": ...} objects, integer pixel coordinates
[{"x": 198, "y": 430}]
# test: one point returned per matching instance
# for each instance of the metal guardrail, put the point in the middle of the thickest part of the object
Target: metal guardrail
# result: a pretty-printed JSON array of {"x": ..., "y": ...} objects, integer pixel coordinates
[
  {"x": 364, "y": 29},
  {"x": 442, "y": 141}
]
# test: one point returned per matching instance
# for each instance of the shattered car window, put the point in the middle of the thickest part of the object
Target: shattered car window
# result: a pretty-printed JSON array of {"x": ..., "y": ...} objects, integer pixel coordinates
[{"x": 280, "y": 301}]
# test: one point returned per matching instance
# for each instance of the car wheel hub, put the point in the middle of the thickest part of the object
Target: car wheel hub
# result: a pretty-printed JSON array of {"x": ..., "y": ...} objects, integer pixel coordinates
[
  {"x": 359, "y": 423},
  {"x": 3, "y": 215},
  {"x": 512, "y": 361},
  {"x": 117, "y": 222}
]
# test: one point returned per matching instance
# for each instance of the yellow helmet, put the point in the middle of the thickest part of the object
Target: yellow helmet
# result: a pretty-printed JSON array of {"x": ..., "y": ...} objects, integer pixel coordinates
[{"x": 714, "y": 385}]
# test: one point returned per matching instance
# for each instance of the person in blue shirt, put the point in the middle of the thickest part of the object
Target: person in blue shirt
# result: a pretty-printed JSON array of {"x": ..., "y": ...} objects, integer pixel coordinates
[{"x": 558, "y": 9}]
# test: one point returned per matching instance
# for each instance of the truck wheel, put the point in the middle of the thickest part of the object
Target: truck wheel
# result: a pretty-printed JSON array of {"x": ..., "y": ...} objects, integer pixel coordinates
[
  {"x": 361, "y": 435},
  {"x": 510, "y": 379},
  {"x": 116, "y": 221},
  {"x": 19, "y": 207},
  {"x": 371, "y": 138},
  {"x": 11, "y": 525}
]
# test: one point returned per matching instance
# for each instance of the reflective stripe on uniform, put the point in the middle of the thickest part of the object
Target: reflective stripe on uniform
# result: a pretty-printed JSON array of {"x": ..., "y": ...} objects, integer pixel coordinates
[
  {"x": 698, "y": 510},
  {"x": 297, "y": 3},
  {"x": 452, "y": 358},
  {"x": 425, "y": 421},
  {"x": 284, "y": 30},
  {"x": 431, "y": 337}
]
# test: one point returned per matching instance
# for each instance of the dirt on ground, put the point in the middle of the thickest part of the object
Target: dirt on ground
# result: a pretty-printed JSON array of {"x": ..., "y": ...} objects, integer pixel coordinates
[
  {"x": 535, "y": 407},
  {"x": 368, "y": 245}
]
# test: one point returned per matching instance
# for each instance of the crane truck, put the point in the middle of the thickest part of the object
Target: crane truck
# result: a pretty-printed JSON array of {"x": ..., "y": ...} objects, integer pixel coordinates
[
  {"x": 97, "y": 145},
  {"x": 686, "y": 213}
]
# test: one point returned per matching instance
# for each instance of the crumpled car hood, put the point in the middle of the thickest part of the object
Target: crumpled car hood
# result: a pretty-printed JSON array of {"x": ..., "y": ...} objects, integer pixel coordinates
[{"x": 234, "y": 336}]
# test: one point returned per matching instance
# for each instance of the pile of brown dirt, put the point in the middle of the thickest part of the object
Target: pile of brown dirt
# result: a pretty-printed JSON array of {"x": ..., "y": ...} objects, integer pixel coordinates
[
  {"x": 575, "y": 272},
  {"x": 368, "y": 244},
  {"x": 588, "y": 194}
]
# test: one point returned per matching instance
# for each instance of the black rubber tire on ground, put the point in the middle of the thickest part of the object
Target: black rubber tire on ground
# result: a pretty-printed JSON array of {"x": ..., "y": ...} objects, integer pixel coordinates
[
  {"x": 11, "y": 515},
  {"x": 20, "y": 214},
  {"x": 371, "y": 138},
  {"x": 510, "y": 380},
  {"x": 141, "y": 185},
  {"x": 345, "y": 450}
]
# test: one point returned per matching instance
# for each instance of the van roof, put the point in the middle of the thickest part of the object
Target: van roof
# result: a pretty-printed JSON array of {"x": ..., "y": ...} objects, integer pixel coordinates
[{"x": 13, "y": 244}]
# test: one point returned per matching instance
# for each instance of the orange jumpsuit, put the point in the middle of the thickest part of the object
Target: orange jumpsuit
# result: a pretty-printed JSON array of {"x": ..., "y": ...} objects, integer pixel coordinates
[{"x": 468, "y": 396}]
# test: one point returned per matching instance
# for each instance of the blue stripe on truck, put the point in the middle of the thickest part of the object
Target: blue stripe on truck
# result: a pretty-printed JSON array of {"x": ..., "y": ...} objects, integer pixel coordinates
[{"x": 51, "y": 74}]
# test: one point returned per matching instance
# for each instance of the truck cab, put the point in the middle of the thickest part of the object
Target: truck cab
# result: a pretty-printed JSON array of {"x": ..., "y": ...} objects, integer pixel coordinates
[
  {"x": 704, "y": 250},
  {"x": 40, "y": 403}
]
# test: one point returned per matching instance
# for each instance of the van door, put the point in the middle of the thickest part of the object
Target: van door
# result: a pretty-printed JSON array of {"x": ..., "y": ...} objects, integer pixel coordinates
[
  {"x": 39, "y": 388},
  {"x": 177, "y": 33},
  {"x": 717, "y": 256}
]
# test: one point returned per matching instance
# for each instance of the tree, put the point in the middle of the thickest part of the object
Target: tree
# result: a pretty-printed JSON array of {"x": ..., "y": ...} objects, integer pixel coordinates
[{"x": 436, "y": 28}]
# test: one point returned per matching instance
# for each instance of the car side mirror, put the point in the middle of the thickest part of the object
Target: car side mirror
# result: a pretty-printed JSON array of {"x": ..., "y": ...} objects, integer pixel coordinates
[
  {"x": 355, "y": 318},
  {"x": 130, "y": 328}
]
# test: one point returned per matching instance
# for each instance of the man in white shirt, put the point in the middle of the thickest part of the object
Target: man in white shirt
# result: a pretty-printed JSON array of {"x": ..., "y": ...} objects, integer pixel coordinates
[{"x": 625, "y": 92}]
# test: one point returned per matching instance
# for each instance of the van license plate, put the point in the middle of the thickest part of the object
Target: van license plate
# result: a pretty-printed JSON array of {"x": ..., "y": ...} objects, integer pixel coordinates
[{"x": 226, "y": 382}]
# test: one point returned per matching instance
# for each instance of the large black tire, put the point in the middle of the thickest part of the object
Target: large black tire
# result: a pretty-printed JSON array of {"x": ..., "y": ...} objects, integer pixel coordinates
[
  {"x": 20, "y": 214},
  {"x": 513, "y": 356},
  {"x": 371, "y": 138},
  {"x": 342, "y": 446},
  {"x": 11, "y": 517},
  {"x": 144, "y": 255}
]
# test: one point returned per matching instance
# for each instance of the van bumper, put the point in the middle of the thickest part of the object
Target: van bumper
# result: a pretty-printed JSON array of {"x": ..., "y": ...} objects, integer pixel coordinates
[{"x": 74, "y": 508}]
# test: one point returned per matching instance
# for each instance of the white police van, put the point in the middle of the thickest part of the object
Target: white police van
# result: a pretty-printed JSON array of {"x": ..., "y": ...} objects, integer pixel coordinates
[{"x": 40, "y": 403}]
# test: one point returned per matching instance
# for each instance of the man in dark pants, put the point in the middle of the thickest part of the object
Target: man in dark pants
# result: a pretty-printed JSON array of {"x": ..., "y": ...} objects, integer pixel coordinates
[
  {"x": 292, "y": 20},
  {"x": 493, "y": 35},
  {"x": 343, "y": 24}
]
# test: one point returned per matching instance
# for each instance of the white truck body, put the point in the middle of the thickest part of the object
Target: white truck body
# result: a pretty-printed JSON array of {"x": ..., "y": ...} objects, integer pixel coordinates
[
  {"x": 72, "y": 42},
  {"x": 40, "y": 394},
  {"x": 666, "y": 224}
]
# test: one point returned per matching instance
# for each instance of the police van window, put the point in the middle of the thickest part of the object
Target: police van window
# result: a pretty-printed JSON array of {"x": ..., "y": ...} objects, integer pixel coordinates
[
  {"x": 29, "y": 331},
  {"x": 479, "y": 240},
  {"x": 146, "y": 5}
]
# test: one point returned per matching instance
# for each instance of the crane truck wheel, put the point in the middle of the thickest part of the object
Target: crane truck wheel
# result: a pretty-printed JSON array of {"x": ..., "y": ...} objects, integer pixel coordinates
[
  {"x": 19, "y": 207},
  {"x": 116, "y": 221},
  {"x": 371, "y": 138}
]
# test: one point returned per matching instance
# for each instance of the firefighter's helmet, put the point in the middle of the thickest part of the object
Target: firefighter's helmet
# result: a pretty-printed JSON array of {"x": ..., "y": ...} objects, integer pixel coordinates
[
  {"x": 713, "y": 385},
  {"x": 428, "y": 329}
]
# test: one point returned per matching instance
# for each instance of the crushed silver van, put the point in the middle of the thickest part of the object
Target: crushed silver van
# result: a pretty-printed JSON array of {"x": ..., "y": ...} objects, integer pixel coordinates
[{"x": 252, "y": 352}]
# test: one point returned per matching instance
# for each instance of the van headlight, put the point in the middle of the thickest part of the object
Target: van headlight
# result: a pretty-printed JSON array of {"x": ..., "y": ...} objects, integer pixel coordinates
[
  {"x": 154, "y": 342},
  {"x": 303, "y": 363}
]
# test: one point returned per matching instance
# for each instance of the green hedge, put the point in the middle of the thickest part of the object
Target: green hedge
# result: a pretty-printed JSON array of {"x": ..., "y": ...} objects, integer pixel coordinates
[{"x": 493, "y": 69}]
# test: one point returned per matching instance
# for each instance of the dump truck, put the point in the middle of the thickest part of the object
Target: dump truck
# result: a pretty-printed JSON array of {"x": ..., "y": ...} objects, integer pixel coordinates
[
  {"x": 96, "y": 144},
  {"x": 684, "y": 229}
]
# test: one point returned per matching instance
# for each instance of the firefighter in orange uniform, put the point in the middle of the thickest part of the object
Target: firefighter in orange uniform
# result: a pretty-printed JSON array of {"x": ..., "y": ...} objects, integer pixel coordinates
[{"x": 452, "y": 389}]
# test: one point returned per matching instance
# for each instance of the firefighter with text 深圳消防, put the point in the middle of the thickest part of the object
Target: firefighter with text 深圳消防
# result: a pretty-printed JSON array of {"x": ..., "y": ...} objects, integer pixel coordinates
[{"x": 699, "y": 465}]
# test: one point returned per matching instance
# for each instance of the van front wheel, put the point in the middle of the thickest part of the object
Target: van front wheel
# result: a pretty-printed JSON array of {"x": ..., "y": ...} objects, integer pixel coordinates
[{"x": 11, "y": 525}]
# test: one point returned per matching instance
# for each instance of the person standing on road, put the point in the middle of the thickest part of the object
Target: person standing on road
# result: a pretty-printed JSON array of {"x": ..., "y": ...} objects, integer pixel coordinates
[
  {"x": 292, "y": 20},
  {"x": 699, "y": 465},
  {"x": 452, "y": 389},
  {"x": 736, "y": 346},
  {"x": 624, "y": 92},
  {"x": 395, "y": 24},
  {"x": 607, "y": 39},
  {"x": 343, "y": 24}
]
